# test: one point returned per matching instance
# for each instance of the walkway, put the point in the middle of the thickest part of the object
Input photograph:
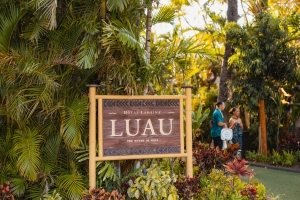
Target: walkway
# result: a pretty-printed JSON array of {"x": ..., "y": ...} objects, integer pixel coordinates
[{"x": 278, "y": 182}]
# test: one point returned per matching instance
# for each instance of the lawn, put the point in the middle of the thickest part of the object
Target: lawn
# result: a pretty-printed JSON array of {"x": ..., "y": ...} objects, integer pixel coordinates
[{"x": 278, "y": 182}]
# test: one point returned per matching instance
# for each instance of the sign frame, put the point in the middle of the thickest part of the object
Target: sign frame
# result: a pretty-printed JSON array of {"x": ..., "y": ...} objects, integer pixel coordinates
[{"x": 95, "y": 112}]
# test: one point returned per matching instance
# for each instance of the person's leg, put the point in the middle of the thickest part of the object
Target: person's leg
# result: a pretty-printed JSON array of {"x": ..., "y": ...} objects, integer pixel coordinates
[{"x": 218, "y": 142}]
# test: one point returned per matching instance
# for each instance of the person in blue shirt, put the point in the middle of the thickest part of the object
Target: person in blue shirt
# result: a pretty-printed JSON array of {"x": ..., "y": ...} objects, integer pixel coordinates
[{"x": 218, "y": 124}]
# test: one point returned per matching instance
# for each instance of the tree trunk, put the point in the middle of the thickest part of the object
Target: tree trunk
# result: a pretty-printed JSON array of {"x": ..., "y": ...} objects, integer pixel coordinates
[
  {"x": 148, "y": 38},
  {"x": 277, "y": 135},
  {"x": 148, "y": 30},
  {"x": 247, "y": 120},
  {"x": 224, "y": 91},
  {"x": 262, "y": 122},
  {"x": 103, "y": 9}
]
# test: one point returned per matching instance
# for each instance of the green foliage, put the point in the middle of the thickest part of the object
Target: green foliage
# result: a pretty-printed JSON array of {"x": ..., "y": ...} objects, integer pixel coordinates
[
  {"x": 156, "y": 184},
  {"x": 198, "y": 117},
  {"x": 263, "y": 59},
  {"x": 27, "y": 146},
  {"x": 219, "y": 186},
  {"x": 285, "y": 159},
  {"x": 288, "y": 159},
  {"x": 54, "y": 196},
  {"x": 275, "y": 158}
]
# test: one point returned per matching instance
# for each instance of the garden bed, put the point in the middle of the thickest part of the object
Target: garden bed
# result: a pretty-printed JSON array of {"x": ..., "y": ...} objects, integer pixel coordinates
[{"x": 294, "y": 168}]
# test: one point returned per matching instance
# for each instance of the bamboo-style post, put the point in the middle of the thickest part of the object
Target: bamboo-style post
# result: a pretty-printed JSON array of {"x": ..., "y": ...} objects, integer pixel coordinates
[
  {"x": 189, "y": 139},
  {"x": 92, "y": 136}
]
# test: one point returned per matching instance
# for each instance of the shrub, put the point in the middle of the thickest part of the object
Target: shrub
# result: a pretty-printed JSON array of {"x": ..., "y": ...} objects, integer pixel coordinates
[
  {"x": 288, "y": 159},
  {"x": 187, "y": 188},
  {"x": 207, "y": 158},
  {"x": 6, "y": 192},
  {"x": 100, "y": 193},
  {"x": 275, "y": 158},
  {"x": 251, "y": 155},
  {"x": 297, "y": 156},
  {"x": 217, "y": 185},
  {"x": 53, "y": 196},
  {"x": 291, "y": 143},
  {"x": 155, "y": 184}
]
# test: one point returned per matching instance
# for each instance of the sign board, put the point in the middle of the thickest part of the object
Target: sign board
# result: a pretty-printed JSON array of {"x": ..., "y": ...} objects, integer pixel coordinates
[{"x": 140, "y": 126}]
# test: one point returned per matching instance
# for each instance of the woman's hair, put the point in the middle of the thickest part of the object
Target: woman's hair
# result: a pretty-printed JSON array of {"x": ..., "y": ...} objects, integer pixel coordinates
[
  {"x": 219, "y": 103},
  {"x": 232, "y": 110}
]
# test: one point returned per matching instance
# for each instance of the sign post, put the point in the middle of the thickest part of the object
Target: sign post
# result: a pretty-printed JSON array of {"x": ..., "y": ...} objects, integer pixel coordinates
[
  {"x": 189, "y": 137},
  {"x": 138, "y": 127}
]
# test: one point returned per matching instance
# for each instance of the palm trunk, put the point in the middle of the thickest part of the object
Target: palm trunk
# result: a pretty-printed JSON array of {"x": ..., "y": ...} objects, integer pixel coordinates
[
  {"x": 103, "y": 9},
  {"x": 262, "y": 122},
  {"x": 148, "y": 37},
  {"x": 148, "y": 30},
  {"x": 224, "y": 91}
]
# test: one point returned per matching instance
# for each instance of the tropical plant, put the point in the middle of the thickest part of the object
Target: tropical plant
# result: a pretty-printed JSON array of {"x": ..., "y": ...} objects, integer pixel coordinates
[
  {"x": 262, "y": 62},
  {"x": 197, "y": 119},
  {"x": 207, "y": 158},
  {"x": 238, "y": 168},
  {"x": 54, "y": 196},
  {"x": 100, "y": 193},
  {"x": 187, "y": 188},
  {"x": 154, "y": 184},
  {"x": 219, "y": 186}
]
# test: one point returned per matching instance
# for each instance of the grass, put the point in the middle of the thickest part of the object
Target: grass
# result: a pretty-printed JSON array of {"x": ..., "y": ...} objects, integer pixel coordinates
[{"x": 278, "y": 182}]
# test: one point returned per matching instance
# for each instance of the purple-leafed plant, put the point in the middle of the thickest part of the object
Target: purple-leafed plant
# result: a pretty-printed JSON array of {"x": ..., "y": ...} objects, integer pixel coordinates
[
  {"x": 207, "y": 158},
  {"x": 186, "y": 187}
]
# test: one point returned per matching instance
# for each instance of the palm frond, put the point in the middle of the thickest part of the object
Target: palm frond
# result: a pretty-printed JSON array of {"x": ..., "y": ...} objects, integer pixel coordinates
[
  {"x": 118, "y": 31},
  {"x": 9, "y": 18},
  {"x": 19, "y": 186},
  {"x": 27, "y": 147},
  {"x": 73, "y": 118},
  {"x": 119, "y": 5},
  {"x": 65, "y": 38},
  {"x": 34, "y": 30},
  {"x": 72, "y": 185},
  {"x": 164, "y": 14},
  {"x": 50, "y": 153},
  {"x": 35, "y": 192},
  {"x": 88, "y": 53},
  {"x": 46, "y": 9}
]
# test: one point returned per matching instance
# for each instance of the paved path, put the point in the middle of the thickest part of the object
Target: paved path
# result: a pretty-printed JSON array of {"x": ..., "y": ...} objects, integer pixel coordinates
[{"x": 278, "y": 182}]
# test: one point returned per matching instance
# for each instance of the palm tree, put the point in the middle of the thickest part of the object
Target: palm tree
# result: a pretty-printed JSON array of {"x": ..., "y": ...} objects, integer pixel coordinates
[{"x": 224, "y": 91}]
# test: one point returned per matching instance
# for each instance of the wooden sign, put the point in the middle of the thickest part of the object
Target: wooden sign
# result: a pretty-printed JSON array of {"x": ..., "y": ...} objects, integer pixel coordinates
[{"x": 140, "y": 126}]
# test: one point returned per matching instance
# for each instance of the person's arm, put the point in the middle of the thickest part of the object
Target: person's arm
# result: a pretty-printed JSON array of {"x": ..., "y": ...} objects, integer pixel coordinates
[
  {"x": 241, "y": 123},
  {"x": 219, "y": 120},
  {"x": 231, "y": 124},
  {"x": 222, "y": 124}
]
